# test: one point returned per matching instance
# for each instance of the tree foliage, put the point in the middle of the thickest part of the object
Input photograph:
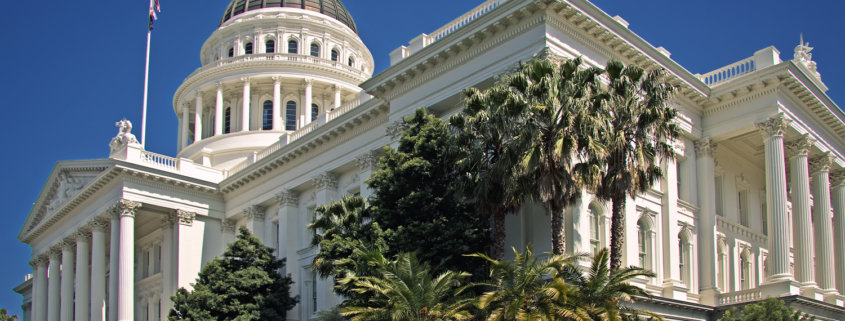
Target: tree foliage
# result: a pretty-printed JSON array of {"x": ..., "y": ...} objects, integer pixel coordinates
[
  {"x": 244, "y": 284},
  {"x": 770, "y": 309},
  {"x": 4, "y": 316}
]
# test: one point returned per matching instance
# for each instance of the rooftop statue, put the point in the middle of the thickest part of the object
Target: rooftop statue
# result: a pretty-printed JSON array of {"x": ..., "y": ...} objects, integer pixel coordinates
[
  {"x": 803, "y": 55},
  {"x": 124, "y": 135}
]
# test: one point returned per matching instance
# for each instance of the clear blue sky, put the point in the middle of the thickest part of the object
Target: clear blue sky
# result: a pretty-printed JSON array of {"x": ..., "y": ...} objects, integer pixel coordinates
[{"x": 70, "y": 69}]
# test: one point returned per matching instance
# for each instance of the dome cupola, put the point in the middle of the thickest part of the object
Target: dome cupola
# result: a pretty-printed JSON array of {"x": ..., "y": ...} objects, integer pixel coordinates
[{"x": 331, "y": 8}]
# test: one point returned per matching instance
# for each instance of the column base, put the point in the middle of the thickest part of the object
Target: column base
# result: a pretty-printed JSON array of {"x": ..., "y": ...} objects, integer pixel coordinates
[
  {"x": 812, "y": 291},
  {"x": 709, "y": 296},
  {"x": 779, "y": 288},
  {"x": 832, "y": 296},
  {"x": 674, "y": 289}
]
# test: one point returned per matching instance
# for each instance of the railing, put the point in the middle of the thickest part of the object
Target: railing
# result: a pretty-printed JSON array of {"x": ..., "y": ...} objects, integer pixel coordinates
[
  {"x": 303, "y": 131},
  {"x": 160, "y": 160},
  {"x": 279, "y": 57},
  {"x": 742, "y": 231},
  {"x": 347, "y": 106},
  {"x": 740, "y": 296},
  {"x": 729, "y": 72},
  {"x": 465, "y": 19},
  {"x": 272, "y": 148}
]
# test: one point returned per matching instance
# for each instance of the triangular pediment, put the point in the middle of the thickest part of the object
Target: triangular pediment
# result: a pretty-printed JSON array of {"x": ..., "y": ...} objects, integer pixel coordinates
[{"x": 64, "y": 184}]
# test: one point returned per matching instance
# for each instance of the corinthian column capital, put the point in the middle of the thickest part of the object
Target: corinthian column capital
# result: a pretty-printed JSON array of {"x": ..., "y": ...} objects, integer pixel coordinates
[
  {"x": 287, "y": 197},
  {"x": 821, "y": 163},
  {"x": 774, "y": 126},
  {"x": 367, "y": 161},
  {"x": 326, "y": 181},
  {"x": 185, "y": 217},
  {"x": 254, "y": 212},
  {"x": 705, "y": 147},
  {"x": 801, "y": 146}
]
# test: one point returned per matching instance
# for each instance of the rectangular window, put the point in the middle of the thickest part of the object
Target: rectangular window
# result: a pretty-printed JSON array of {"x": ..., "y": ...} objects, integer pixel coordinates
[
  {"x": 718, "y": 191},
  {"x": 678, "y": 177},
  {"x": 682, "y": 259},
  {"x": 313, "y": 292},
  {"x": 594, "y": 232},
  {"x": 157, "y": 259},
  {"x": 642, "y": 246},
  {"x": 742, "y": 203},
  {"x": 720, "y": 273},
  {"x": 765, "y": 219}
]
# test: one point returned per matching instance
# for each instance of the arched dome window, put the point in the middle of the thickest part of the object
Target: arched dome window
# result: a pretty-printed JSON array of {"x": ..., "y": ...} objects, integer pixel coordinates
[
  {"x": 267, "y": 116},
  {"x": 315, "y": 49},
  {"x": 351, "y": 61},
  {"x": 231, "y": 52},
  {"x": 227, "y": 120},
  {"x": 334, "y": 55},
  {"x": 290, "y": 115},
  {"x": 315, "y": 111},
  {"x": 293, "y": 46},
  {"x": 248, "y": 48},
  {"x": 270, "y": 46}
]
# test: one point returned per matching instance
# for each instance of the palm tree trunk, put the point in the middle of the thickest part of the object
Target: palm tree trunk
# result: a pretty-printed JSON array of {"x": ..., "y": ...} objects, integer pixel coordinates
[
  {"x": 617, "y": 230},
  {"x": 499, "y": 234},
  {"x": 558, "y": 233}
]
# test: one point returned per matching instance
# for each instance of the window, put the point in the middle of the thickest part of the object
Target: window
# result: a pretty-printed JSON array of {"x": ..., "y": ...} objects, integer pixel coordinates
[
  {"x": 742, "y": 203},
  {"x": 267, "y": 116},
  {"x": 722, "y": 267},
  {"x": 595, "y": 244},
  {"x": 270, "y": 46},
  {"x": 290, "y": 115},
  {"x": 685, "y": 255},
  {"x": 248, "y": 48},
  {"x": 315, "y": 111},
  {"x": 351, "y": 61},
  {"x": 313, "y": 292},
  {"x": 744, "y": 270},
  {"x": 227, "y": 120},
  {"x": 334, "y": 55},
  {"x": 764, "y": 216},
  {"x": 718, "y": 191},
  {"x": 643, "y": 243},
  {"x": 315, "y": 50},
  {"x": 231, "y": 52},
  {"x": 679, "y": 177},
  {"x": 293, "y": 47}
]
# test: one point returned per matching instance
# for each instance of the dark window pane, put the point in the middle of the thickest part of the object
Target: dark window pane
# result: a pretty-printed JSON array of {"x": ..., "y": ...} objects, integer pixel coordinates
[
  {"x": 290, "y": 116},
  {"x": 248, "y": 48},
  {"x": 231, "y": 52},
  {"x": 334, "y": 55},
  {"x": 270, "y": 46},
  {"x": 315, "y": 50},
  {"x": 292, "y": 47},
  {"x": 315, "y": 110},
  {"x": 267, "y": 116},
  {"x": 227, "y": 120},
  {"x": 351, "y": 61}
]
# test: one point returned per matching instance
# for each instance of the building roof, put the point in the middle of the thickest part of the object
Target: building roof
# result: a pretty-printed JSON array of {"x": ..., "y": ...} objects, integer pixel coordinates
[{"x": 331, "y": 8}]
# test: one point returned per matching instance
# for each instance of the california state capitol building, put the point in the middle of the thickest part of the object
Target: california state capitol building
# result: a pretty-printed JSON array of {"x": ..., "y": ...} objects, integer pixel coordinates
[{"x": 285, "y": 114}]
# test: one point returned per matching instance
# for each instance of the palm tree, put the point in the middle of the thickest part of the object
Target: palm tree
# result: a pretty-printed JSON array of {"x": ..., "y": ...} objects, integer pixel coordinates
[
  {"x": 527, "y": 290},
  {"x": 5, "y": 317},
  {"x": 340, "y": 226},
  {"x": 601, "y": 290},
  {"x": 559, "y": 139},
  {"x": 487, "y": 128},
  {"x": 405, "y": 290},
  {"x": 638, "y": 133}
]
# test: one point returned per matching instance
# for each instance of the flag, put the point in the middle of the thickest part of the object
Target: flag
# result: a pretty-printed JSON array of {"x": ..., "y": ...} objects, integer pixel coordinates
[{"x": 154, "y": 6}]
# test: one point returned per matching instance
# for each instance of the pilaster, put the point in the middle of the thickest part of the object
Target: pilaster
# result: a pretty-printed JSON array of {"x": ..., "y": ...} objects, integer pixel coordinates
[
  {"x": 707, "y": 254},
  {"x": 367, "y": 164}
]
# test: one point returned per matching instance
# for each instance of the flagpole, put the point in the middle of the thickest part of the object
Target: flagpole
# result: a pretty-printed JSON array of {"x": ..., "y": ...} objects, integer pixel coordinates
[{"x": 146, "y": 88}]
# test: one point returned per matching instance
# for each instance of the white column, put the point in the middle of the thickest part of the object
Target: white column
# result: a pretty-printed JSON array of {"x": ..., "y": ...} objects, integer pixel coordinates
[
  {"x": 218, "y": 111},
  {"x": 289, "y": 211},
  {"x": 83, "y": 284},
  {"x": 277, "y": 103},
  {"x": 126, "y": 263},
  {"x": 707, "y": 254},
  {"x": 367, "y": 164},
  {"x": 255, "y": 221},
  {"x": 152, "y": 303},
  {"x": 68, "y": 263},
  {"x": 198, "y": 118},
  {"x": 306, "y": 107},
  {"x": 245, "y": 108},
  {"x": 54, "y": 286},
  {"x": 98, "y": 269},
  {"x": 670, "y": 229},
  {"x": 337, "y": 96},
  {"x": 773, "y": 131},
  {"x": 168, "y": 286},
  {"x": 185, "y": 122},
  {"x": 114, "y": 259},
  {"x": 838, "y": 203},
  {"x": 822, "y": 223},
  {"x": 326, "y": 193},
  {"x": 39, "y": 302},
  {"x": 802, "y": 225}
]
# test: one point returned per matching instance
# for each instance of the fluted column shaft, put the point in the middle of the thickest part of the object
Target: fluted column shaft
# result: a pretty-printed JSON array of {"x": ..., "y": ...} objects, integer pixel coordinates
[
  {"x": 68, "y": 262},
  {"x": 306, "y": 107},
  {"x": 802, "y": 226},
  {"x": 838, "y": 203},
  {"x": 705, "y": 167},
  {"x": 198, "y": 118},
  {"x": 39, "y": 305},
  {"x": 245, "y": 107},
  {"x": 185, "y": 121},
  {"x": 114, "y": 259},
  {"x": 822, "y": 227},
  {"x": 83, "y": 278},
  {"x": 277, "y": 103},
  {"x": 167, "y": 267},
  {"x": 773, "y": 131},
  {"x": 98, "y": 269},
  {"x": 54, "y": 286},
  {"x": 218, "y": 111},
  {"x": 126, "y": 262}
]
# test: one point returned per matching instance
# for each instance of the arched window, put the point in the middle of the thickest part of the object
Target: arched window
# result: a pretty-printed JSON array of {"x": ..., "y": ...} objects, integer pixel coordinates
[
  {"x": 248, "y": 48},
  {"x": 684, "y": 255},
  {"x": 595, "y": 216},
  {"x": 270, "y": 46},
  {"x": 315, "y": 49},
  {"x": 231, "y": 52},
  {"x": 351, "y": 61},
  {"x": 315, "y": 111},
  {"x": 267, "y": 116},
  {"x": 722, "y": 268},
  {"x": 293, "y": 46},
  {"x": 290, "y": 115},
  {"x": 745, "y": 270},
  {"x": 334, "y": 55},
  {"x": 227, "y": 120},
  {"x": 644, "y": 242}
]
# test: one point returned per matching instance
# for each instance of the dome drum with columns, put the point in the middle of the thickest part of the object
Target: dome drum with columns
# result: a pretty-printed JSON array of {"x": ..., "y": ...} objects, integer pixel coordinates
[{"x": 269, "y": 69}]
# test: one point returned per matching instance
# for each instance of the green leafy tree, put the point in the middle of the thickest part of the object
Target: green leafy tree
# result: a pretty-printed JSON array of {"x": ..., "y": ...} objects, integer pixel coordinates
[
  {"x": 638, "y": 133},
  {"x": 416, "y": 202},
  {"x": 528, "y": 289},
  {"x": 559, "y": 135},
  {"x": 5, "y": 317},
  {"x": 487, "y": 128},
  {"x": 770, "y": 309},
  {"x": 406, "y": 290},
  {"x": 601, "y": 290},
  {"x": 244, "y": 284}
]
